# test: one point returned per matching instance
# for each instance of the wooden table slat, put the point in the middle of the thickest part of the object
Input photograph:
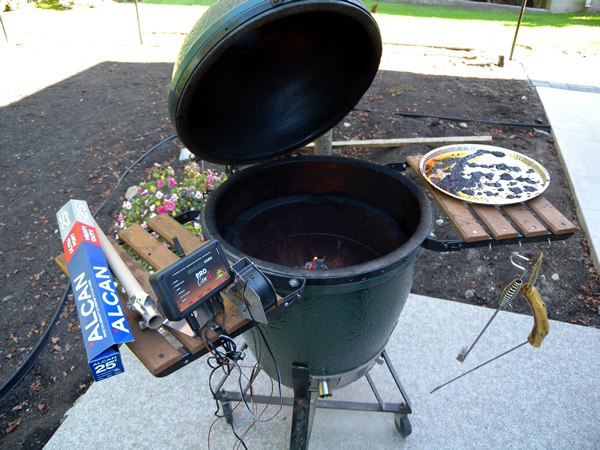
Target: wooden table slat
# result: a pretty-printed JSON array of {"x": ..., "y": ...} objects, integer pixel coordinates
[
  {"x": 551, "y": 216},
  {"x": 496, "y": 223},
  {"x": 150, "y": 347},
  {"x": 147, "y": 247},
  {"x": 168, "y": 228},
  {"x": 469, "y": 229},
  {"x": 524, "y": 220},
  {"x": 137, "y": 270}
]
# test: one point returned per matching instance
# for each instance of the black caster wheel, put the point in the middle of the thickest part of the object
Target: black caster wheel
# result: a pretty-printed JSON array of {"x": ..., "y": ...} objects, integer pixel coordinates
[{"x": 402, "y": 424}]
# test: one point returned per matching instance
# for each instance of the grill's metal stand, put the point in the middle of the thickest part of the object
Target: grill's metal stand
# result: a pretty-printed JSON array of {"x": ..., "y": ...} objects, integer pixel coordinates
[{"x": 305, "y": 403}]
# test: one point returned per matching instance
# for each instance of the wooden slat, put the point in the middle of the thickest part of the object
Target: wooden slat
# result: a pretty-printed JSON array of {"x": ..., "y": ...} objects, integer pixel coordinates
[
  {"x": 191, "y": 343},
  {"x": 61, "y": 261},
  {"x": 496, "y": 223},
  {"x": 147, "y": 247},
  {"x": 137, "y": 270},
  {"x": 470, "y": 230},
  {"x": 150, "y": 347},
  {"x": 386, "y": 143},
  {"x": 524, "y": 220},
  {"x": 553, "y": 218},
  {"x": 168, "y": 228}
]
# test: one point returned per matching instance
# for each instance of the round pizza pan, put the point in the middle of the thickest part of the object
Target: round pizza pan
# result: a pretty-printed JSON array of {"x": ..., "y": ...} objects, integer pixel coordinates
[{"x": 484, "y": 174}]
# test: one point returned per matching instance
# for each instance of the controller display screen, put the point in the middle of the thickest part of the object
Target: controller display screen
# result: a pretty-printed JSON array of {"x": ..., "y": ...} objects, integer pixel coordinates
[{"x": 198, "y": 277}]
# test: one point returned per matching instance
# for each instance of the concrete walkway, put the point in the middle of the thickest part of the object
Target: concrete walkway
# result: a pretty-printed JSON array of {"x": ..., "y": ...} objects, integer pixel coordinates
[
  {"x": 532, "y": 398},
  {"x": 570, "y": 93}
]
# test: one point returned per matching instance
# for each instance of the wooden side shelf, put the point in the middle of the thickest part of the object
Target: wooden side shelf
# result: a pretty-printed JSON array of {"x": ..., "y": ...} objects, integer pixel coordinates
[
  {"x": 475, "y": 222},
  {"x": 165, "y": 351}
]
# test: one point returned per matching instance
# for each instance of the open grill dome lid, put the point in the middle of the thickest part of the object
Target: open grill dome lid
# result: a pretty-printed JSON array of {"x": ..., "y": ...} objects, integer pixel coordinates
[{"x": 256, "y": 79}]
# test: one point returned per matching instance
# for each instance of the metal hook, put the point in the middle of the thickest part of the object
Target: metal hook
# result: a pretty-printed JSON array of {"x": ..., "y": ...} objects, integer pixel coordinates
[{"x": 524, "y": 269}]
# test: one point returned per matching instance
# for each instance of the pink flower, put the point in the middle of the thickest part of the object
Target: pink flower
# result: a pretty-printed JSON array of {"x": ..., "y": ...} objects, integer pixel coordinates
[
  {"x": 174, "y": 197},
  {"x": 170, "y": 206},
  {"x": 161, "y": 210},
  {"x": 172, "y": 182},
  {"x": 160, "y": 183},
  {"x": 140, "y": 190}
]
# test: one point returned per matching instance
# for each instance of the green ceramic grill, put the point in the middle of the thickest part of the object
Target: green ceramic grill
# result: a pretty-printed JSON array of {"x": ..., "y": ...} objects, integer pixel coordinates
[{"x": 255, "y": 80}]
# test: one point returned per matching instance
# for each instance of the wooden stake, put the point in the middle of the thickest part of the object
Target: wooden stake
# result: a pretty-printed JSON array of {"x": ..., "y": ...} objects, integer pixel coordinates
[{"x": 385, "y": 143}]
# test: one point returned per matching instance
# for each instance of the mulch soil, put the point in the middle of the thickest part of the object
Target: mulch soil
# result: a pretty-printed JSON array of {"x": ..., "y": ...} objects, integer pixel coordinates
[{"x": 74, "y": 138}]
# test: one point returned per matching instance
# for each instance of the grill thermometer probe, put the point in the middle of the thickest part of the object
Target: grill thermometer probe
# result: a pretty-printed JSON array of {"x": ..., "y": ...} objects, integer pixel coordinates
[{"x": 540, "y": 330}]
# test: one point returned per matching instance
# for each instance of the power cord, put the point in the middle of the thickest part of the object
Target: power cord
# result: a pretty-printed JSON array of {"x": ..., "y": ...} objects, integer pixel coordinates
[
  {"x": 228, "y": 361},
  {"x": 274, "y": 361},
  {"x": 26, "y": 367}
]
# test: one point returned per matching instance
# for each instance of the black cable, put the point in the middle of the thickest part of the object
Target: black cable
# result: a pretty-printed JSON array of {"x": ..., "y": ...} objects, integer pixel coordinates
[
  {"x": 20, "y": 373},
  {"x": 228, "y": 361},
  {"x": 274, "y": 361},
  {"x": 26, "y": 367},
  {"x": 525, "y": 126},
  {"x": 236, "y": 435}
]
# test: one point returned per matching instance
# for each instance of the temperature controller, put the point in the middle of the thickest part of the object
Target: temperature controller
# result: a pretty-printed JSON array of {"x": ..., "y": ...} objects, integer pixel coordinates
[{"x": 193, "y": 280}]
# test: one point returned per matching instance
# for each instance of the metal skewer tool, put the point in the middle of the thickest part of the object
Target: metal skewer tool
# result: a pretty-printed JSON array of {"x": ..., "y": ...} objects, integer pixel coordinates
[
  {"x": 508, "y": 294},
  {"x": 541, "y": 325}
]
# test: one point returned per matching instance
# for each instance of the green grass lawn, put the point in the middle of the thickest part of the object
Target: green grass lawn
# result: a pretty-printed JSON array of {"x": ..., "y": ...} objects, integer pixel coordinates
[{"x": 530, "y": 20}]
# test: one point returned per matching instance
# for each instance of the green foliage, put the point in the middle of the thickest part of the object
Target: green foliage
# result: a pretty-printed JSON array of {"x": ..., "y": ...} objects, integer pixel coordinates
[
  {"x": 11, "y": 5},
  {"x": 49, "y": 4},
  {"x": 63, "y": 5}
]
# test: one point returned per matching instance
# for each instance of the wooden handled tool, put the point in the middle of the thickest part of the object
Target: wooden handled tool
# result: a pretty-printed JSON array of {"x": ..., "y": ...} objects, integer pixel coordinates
[{"x": 540, "y": 330}]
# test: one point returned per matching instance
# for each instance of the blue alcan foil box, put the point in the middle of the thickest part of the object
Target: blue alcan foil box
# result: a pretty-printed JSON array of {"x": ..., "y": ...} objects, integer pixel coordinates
[{"x": 101, "y": 315}]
